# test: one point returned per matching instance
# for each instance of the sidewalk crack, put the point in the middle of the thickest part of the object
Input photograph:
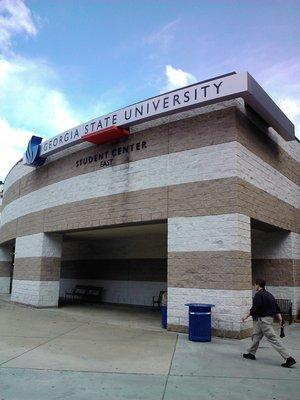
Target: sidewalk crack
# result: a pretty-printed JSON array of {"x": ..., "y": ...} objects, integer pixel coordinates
[{"x": 41, "y": 344}]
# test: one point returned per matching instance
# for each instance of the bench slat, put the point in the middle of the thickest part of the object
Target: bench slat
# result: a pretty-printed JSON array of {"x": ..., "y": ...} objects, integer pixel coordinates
[
  {"x": 286, "y": 307},
  {"x": 85, "y": 292}
]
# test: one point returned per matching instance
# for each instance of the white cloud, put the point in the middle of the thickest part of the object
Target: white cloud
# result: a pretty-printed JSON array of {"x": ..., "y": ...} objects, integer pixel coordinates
[
  {"x": 29, "y": 104},
  {"x": 291, "y": 107},
  {"x": 164, "y": 36},
  {"x": 282, "y": 83},
  {"x": 29, "y": 99},
  {"x": 15, "y": 18},
  {"x": 177, "y": 78},
  {"x": 13, "y": 143}
]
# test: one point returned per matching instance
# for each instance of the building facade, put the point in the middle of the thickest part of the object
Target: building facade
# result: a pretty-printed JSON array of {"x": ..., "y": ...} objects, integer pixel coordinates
[{"x": 200, "y": 202}]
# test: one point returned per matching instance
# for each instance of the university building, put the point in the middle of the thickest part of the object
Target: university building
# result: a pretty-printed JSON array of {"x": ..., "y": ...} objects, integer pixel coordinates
[{"x": 195, "y": 192}]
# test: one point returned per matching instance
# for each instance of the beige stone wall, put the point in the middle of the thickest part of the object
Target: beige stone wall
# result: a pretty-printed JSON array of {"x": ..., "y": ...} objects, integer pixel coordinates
[
  {"x": 209, "y": 261},
  {"x": 217, "y": 127},
  {"x": 37, "y": 270},
  {"x": 210, "y": 269},
  {"x": 273, "y": 153},
  {"x": 282, "y": 272},
  {"x": 239, "y": 196},
  {"x": 162, "y": 140},
  {"x": 198, "y": 198},
  {"x": 276, "y": 258},
  {"x": 206, "y": 172}
]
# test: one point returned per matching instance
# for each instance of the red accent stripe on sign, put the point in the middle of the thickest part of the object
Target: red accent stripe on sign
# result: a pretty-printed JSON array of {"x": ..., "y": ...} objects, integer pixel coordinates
[{"x": 106, "y": 135}]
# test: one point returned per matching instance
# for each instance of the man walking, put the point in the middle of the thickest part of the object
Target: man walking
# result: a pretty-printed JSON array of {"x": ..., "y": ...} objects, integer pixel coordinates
[{"x": 263, "y": 310}]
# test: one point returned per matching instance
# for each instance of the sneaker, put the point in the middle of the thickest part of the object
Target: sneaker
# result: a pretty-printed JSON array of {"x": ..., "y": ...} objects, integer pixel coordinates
[
  {"x": 250, "y": 356},
  {"x": 289, "y": 362}
]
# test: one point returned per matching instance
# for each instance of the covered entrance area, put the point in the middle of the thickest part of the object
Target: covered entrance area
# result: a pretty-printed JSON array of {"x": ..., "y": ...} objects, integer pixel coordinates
[
  {"x": 128, "y": 262},
  {"x": 274, "y": 260}
]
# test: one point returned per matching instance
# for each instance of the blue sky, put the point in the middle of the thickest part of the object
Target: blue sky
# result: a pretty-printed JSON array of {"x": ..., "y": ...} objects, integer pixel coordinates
[{"x": 65, "y": 62}]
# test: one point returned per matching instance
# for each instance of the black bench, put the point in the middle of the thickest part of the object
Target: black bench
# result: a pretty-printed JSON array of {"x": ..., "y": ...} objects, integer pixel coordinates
[
  {"x": 90, "y": 294},
  {"x": 157, "y": 300},
  {"x": 286, "y": 308}
]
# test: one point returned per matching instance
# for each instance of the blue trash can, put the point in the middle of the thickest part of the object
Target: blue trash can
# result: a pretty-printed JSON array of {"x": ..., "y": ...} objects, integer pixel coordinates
[
  {"x": 164, "y": 316},
  {"x": 200, "y": 322}
]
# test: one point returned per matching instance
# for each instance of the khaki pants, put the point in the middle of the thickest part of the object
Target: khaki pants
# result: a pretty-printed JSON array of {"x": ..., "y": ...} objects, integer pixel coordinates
[{"x": 263, "y": 327}]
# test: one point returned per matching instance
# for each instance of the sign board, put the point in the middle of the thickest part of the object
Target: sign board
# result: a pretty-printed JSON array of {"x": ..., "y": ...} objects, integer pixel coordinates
[{"x": 210, "y": 91}]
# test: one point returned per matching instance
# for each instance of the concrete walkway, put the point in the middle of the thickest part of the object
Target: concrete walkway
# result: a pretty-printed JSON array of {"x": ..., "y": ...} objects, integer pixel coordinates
[{"x": 80, "y": 352}]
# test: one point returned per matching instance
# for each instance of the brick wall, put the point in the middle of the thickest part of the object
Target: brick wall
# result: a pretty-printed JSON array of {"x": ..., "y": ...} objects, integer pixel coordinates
[{"x": 207, "y": 171}]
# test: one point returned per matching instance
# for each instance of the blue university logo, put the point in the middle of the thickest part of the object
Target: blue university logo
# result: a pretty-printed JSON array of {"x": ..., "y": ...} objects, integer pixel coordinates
[{"x": 32, "y": 155}]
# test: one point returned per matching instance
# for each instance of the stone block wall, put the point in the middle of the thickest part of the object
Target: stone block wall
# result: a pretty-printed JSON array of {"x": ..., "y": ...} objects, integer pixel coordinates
[
  {"x": 276, "y": 258},
  {"x": 209, "y": 261},
  {"x": 208, "y": 172},
  {"x": 37, "y": 270}
]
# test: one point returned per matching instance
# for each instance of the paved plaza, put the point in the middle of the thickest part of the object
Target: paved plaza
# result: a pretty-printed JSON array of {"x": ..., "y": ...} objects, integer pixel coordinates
[{"x": 82, "y": 352}]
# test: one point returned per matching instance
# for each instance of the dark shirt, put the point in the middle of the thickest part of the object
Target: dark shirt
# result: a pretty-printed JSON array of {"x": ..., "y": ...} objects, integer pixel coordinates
[{"x": 264, "y": 305}]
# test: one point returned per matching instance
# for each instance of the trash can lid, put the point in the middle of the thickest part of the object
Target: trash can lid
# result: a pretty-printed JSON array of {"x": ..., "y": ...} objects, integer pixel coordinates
[{"x": 199, "y": 305}]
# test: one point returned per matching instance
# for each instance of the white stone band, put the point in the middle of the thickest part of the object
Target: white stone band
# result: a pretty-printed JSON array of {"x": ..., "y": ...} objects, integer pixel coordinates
[
  {"x": 38, "y": 245},
  {"x": 201, "y": 164},
  {"x": 209, "y": 233},
  {"x": 17, "y": 172},
  {"x": 36, "y": 293}
]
